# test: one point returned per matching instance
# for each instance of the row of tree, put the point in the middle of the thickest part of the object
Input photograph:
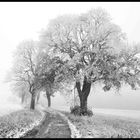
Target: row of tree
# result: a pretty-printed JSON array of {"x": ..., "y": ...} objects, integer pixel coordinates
[{"x": 78, "y": 50}]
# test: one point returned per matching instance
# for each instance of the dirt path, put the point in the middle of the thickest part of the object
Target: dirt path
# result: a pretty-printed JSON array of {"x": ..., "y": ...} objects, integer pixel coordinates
[{"x": 53, "y": 126}]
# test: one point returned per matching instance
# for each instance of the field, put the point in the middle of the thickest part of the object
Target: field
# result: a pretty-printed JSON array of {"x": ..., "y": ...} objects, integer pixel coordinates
[
  {"x": 105, "y": 126},
  {"x": 17, "y": 123},
  {"x": 101, "y": 125}
]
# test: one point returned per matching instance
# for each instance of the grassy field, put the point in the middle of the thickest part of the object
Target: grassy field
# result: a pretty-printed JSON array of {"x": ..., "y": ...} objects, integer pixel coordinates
[
  {"x": 105, "y": 126},
  {"x": 16, "y": 124},
  {"x": 19, "y": 122}
]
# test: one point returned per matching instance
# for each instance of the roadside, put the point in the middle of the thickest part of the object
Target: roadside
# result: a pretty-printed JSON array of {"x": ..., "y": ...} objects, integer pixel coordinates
[
  {"x": 51, "y": 123},
  {"x": 105, "y": 126},
  {"x": 53, "y": 126},
  {"x": 17, "y": 123},
  {"x": 38, "y": 123}
]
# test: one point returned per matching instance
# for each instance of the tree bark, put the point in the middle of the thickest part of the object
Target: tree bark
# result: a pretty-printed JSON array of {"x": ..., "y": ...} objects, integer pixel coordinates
[
  {"x": 83, "y": 95},
  {"x": 83, "y": 104},
  {"x": 32, "y": 105},
  {"x": 48, "y": 98}
]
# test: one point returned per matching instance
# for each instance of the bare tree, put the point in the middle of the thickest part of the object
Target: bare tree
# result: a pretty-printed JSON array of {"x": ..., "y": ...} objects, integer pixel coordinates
[
  {"x": 21, "y": 90},
  {"x": 24, "y": 67}
]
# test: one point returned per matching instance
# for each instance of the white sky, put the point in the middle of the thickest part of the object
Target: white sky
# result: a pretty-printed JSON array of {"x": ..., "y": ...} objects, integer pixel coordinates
[{"x": 24, "y": 20}]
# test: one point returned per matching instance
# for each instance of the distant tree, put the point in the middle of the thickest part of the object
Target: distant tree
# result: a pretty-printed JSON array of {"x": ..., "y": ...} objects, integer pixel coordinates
[
  {"x": 47, "y": 68},
  {"x": 68, "y": 90},
  {"x": 38, "y": 96},
  {"x": 24, "y": 68},
  {"x": 91, "y": 44},
  {"x": 21, "y": 90}
]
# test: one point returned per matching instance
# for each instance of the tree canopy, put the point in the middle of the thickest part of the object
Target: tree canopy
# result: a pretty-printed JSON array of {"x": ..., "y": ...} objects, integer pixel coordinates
[
  {"x": 91, "y": 44},
  {"x": 80, "y": 49}
]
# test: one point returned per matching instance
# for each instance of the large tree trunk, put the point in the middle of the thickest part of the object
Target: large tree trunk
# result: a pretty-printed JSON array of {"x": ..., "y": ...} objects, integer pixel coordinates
[
  {"x": 83, "y": 104},
  {"x": 32, "y": 105},
  {"x": 48, "y": 98},
  {"x": 83, "y": 94}
]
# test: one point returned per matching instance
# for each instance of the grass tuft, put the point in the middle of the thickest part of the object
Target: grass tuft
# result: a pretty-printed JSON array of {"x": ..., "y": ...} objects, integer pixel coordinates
[{"x": 76, "y": 110}]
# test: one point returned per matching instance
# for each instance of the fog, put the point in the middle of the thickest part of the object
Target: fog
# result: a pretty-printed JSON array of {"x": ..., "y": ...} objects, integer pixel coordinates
[
  {"x": 20, "y": 21},
  {"x": 126, "y": 99}
]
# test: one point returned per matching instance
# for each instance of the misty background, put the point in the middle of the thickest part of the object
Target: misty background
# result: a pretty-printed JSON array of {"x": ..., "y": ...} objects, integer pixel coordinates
[{"x": 21, "y": 20}]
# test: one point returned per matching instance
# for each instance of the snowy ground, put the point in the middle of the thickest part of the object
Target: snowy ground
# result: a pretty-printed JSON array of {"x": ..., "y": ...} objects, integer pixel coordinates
[
  {"x": 15, "y": 120},
  {"x": 105, "y": 126},
  {"x": 133, "y": 114},
  {"x": 17, "y": 123}
]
